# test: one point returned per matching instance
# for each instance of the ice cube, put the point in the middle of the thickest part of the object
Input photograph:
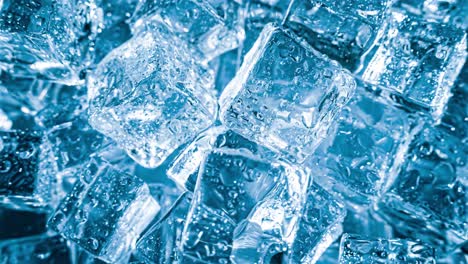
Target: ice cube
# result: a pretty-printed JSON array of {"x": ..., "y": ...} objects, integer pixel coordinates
[
  {"x": 35, "y": 249},
  {"x": 73, "y": 143},
  {"x": 184, "y": 169},
  {"x": 285, "y": 95},
  {"x": 364, "y": 150},
  {"x": 46, "y": 38},
  {"x": 355, "y": 249},
  {"x": 419, "y": 59},
  {"x": 26, "y": 174},
  {"x": 367, "y": 223},
  {"x": 105, "y": 212},
  {"x": 320, "y": 224},
  {"x": 439, "y": 10},
  {"x": 230, "y": 184},
  {"x": 430, "y": 193},
  {"x": 194, "y": 22},
  {"x": 150, "y": 96},
  {"x": 160, "y": 244},
  {"x": 343, "y": 30}
]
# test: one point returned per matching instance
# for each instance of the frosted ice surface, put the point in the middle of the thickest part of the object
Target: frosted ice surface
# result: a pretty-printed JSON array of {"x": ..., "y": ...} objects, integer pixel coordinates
[{"x": 285, "y": 95}]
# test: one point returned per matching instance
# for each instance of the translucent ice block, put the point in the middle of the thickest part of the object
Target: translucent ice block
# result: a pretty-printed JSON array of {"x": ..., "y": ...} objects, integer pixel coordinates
[
  {"x": 73, "y": 143},
  {"x": 344, "y": 30},
  {"x": 230, "y": 184},
  {"x": 364, "y": 150},
  {"x": 160, "y": 244},
  {"x": 439, "y": 10},
  {"x": 105, "y": 212},
  {"x": 26, "y": 177},
  {"x": 285, "y": 95},
  {"x": 430, "y": 193},
  {"x": 35, "y": 250},
  {"x": 319, "y": 225},
  {"x": 184, "y": 169},
  {"x": 359, "y": 250},
  {"x": 194, "y": 22},
  {"x": 150, "y": 96},
  {"x": 47, "y": 38},
  {"x": 419, "y": 59}
]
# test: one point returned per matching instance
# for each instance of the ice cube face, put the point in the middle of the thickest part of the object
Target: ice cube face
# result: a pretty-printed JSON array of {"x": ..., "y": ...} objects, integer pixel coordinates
[
  {"x": 230, "y": 185},
  {"x": 364, "y": 150},
  {"x": 105, "y": 212},
  {"x": 419, "y": 59},
  {"x": 319, "y": 225},
  {"x": 35, "y": 250},
  {"x": 161, "y": 243},
  {"x": 74, "y": 142},
  {"x": 343, "y": 30},
  {"x": 184, "y": 169},
  {"x": 285, "y": 95},
  {"x": 355, "y": 249},
  {"x": 26, "y": 178},
  {"x": 440, "y": 10},
  {"x": 42, "y": 37},
  {"x": 150, "y": 97},
  {"x": 431, "y": 191},
  {"x": 194, "y": 22}
]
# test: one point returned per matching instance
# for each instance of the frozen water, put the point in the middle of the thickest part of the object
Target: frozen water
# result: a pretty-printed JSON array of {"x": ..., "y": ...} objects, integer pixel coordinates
[
  {"x": 47, "y": 38},
  {"x": 320, "y": 225},
  {"x": 368, "y": 224},
  {"x": 35, "y": 250},
  {"x": 453, "y": 11},
  {"x": 150, "y": 96},
  {"x": 105, "y": 212},
  {"x": 160, "y": 244},
  {"x": 26, "y": 178},
  {"x": 194, "y": 22},
  {"x": 419, "y": 59},
  {"x": 430, "y": 193},
  {"x": 230, "y": 184},
  {"x": 184, "y": 169},
  {"x": 364, "y": 150},
  {"x": 344, "y": 30},
  {"x": 285, "y": 94},
  {"x": 359, "y": 250},
  {"x": 73, "y": 143}
]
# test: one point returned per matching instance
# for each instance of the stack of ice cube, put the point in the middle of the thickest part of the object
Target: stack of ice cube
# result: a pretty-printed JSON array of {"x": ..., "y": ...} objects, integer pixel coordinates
[{"x": 233, "y": 131}]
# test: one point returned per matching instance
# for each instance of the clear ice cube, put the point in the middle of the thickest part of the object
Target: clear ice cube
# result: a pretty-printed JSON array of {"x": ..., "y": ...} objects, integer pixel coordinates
[
  {"x": 150, "y": 96},
  {"x": 35, "y": 250},
  {"x": 430, "y": 193},
  {"x": 419, "y": 59},
  {"x": 360, "y": 250},
  {"x": 26, "y": 175},
  {"x": 161, "y": 243},
  {"x": 194, "y": 22},
  {"x": 105, "y": 212},
  {"x": 46, "y": 38},
  {"x": 343, "y": 30},
  {"x": 285, "y": 95},
  {"x": 230, "y": 184},
  {"x": 364, "y": 150},
  {"x": 320, "y": 224}
]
